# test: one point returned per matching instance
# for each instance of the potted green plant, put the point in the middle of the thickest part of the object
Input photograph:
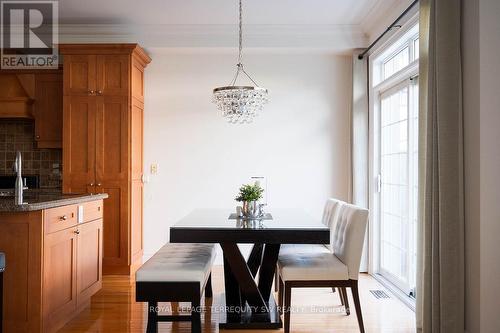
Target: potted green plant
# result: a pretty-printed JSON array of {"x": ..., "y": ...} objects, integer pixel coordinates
[{"x": 249, "y": 195}]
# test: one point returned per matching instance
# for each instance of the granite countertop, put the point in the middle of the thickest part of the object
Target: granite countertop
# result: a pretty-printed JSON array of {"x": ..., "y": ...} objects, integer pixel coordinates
[{"x": 38, "y": 200}]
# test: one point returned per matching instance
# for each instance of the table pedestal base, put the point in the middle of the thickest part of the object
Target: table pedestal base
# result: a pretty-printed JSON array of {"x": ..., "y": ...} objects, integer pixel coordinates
[{"x": 246, "y": 320}]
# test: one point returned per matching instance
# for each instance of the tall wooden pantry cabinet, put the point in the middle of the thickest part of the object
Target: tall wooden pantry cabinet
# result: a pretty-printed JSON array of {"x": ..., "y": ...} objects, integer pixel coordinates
[{"x": 103, "y": 106}]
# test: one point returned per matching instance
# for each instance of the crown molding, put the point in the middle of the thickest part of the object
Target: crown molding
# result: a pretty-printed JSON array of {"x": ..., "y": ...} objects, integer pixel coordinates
[
  {"x": 382, "y": 14},
  {"x": 331, "y": 38}
]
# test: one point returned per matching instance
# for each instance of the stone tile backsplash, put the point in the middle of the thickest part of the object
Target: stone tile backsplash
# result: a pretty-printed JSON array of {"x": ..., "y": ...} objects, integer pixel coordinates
[{"x": 20, "y": 135}]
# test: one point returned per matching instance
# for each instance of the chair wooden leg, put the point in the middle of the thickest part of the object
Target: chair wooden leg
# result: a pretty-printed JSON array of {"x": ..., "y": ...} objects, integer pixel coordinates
[
  {"x": 341, "y": 296},
  {"x": 357, "y": 304},
  {"x": 346, "y": 301},
  {"x": 287, "y": 309},
  {"x": 280, "y": 295},
  {"x": 152, "y": 318},
  {"x": 208, "y": 286}
]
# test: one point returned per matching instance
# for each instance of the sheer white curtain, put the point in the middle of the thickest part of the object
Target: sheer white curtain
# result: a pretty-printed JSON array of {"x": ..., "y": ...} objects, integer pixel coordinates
[{"x": 440, "y": 272}]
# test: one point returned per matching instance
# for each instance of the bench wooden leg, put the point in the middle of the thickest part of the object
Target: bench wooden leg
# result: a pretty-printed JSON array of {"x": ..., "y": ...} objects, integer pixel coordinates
[
  {"x": 196, "y": 316},
  {"x": 208, "y": 286},
  {"x": 152, "y": 317},
  {"x": 276, "y": 279},
  {"x": 281, "y": 289},
  {"x": 288, "y": 307}
]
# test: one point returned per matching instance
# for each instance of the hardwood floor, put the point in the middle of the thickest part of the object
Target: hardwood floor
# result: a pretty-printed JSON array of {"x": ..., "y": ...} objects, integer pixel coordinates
[{"x": 113, "y": 309}]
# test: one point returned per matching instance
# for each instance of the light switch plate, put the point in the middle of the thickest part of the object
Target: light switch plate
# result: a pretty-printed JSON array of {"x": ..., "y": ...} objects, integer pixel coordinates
[
  {"x": 154, "y": 168},
  {"x": 80, "y": 214}
]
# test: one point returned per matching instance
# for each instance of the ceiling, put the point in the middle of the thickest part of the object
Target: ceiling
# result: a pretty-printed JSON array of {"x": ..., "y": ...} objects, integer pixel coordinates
[
  {"x": 327, "y": 24},
  {"x": 215, "y": 11}
]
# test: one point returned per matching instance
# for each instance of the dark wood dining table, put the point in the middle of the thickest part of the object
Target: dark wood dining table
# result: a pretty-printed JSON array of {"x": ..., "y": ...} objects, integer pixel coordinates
[{"x": 249, "y": 303}]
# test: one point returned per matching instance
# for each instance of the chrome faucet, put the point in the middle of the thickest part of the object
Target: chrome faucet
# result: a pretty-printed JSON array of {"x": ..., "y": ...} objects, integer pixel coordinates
[{"x": 19, "y": 186}]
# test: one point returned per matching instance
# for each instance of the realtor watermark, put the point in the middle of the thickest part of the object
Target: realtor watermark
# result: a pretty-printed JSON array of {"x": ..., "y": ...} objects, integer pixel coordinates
[
  {"x": 313, "y": 309},
  {"x": 29, "y": 34}
]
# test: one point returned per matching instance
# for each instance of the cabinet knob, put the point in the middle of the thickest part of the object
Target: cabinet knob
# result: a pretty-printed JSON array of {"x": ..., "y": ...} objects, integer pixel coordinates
[
  {"x": 91, "y": 184},
  {"x": 37, "y": 136},
  {"x": 91, "y": 92},
  {"x": 77, "y": 232},
  {"x": 99, "y": 184},
  {"x": 63, "y": 218},
  {"x": 99, "y": 92}
]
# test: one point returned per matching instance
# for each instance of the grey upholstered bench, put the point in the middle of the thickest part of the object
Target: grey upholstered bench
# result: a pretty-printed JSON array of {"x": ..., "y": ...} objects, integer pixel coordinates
[{"x": 176, "y": 273}]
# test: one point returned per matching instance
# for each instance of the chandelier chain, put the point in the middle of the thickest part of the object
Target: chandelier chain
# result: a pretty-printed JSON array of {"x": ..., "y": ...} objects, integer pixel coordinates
[
  {"x": 240, "y": 35},
  {"x": 240, "y": 50}
]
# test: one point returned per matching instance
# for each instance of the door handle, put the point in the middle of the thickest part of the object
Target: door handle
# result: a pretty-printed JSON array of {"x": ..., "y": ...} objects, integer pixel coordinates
[{"x": 379, "y": 183}]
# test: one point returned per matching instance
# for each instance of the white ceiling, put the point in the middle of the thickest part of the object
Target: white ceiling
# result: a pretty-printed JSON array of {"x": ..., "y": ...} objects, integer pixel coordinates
[
  {"x": 215, "y": 11},
  {"x": 338, "y": 25}
]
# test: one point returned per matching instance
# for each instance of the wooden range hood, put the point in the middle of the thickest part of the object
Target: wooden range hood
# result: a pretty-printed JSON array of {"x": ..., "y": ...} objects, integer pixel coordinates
[{"x": 17, "y": 95}]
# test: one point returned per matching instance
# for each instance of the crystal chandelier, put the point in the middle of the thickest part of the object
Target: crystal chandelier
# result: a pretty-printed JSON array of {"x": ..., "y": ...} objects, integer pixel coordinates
[{"x": 240, "y": 104}]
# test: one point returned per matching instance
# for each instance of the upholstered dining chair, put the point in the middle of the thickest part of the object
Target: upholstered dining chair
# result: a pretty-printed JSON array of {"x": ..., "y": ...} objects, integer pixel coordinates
[
  {"x": 339, "y": 269},
  {"x": 329, "y": 219},
  {"x": 330, "y": 215}
]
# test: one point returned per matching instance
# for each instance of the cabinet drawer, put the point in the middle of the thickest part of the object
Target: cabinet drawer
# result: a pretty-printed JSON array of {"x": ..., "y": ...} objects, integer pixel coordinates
[
  {"x": 91, "y": 211},
  {"x": 60, "y": 218}
]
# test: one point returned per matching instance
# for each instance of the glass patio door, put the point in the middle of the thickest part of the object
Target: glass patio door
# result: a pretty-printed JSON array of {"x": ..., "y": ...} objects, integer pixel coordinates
[{"x": 398, "y": 184}]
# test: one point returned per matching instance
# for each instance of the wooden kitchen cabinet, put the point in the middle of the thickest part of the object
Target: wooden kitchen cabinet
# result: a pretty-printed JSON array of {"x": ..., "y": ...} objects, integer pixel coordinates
[
  {"x": 113, "y": 75},
  {"x": 48, "y": 110},
  {"x": 96, "y": 75},
  {"x": 55, "y": 264},
  {"x": 38, "y": 95},
  {"x": 103, "y": 141},
  {"x": 89, "y": 252},
  {"x": 72, "y": 267},
  {"x": 79, "y": 74},
  {"x": 79, "y": 123},
  {"x": 59, "y": 280}
]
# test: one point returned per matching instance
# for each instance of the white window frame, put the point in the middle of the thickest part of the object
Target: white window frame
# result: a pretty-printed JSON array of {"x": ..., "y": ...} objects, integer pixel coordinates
[{"x": 376, "y": 88}]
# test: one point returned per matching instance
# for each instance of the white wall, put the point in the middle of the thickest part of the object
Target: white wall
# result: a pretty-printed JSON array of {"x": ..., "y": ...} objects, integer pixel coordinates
[
  {"x": 489, "y": 29},
  {"x": 300, "y": 142},
  {"x": 481, "y": 70}
]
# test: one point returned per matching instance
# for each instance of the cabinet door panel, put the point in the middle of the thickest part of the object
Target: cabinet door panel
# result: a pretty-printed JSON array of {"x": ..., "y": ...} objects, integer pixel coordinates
[
  {"x": 89, "y": 276},
  {"x": 79, "y": 74},
  {"x": 48, "y": 110},
  {"x": 112, "y": 139},
  {"x": 112, "y": 75},
  {"x": 79, "y": 144},
  {"x": 112, "y": 169},
  {"x": 59, "y": 283},
  {"x": 115, "y": 222}
]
